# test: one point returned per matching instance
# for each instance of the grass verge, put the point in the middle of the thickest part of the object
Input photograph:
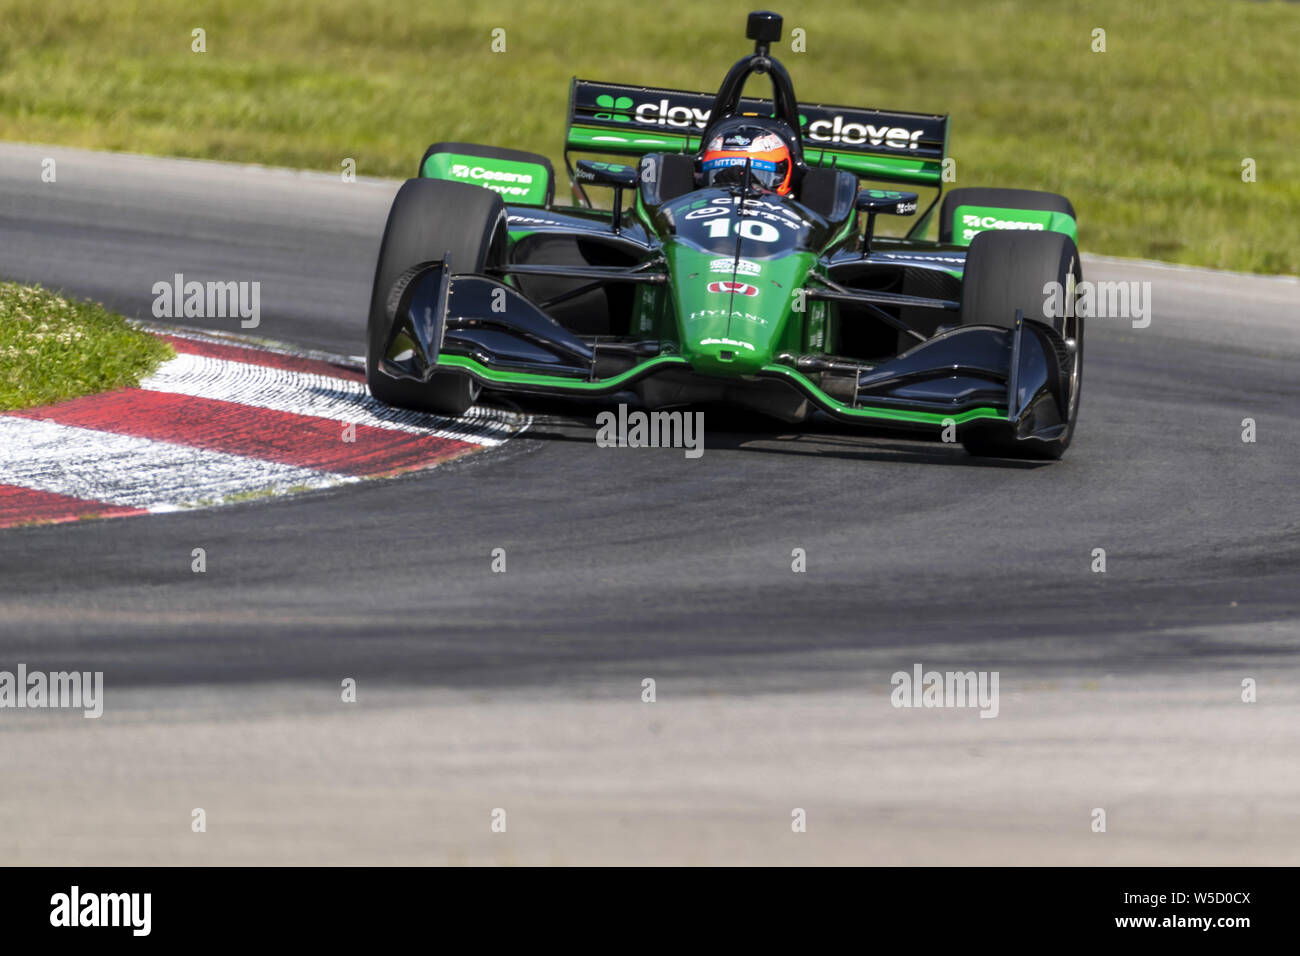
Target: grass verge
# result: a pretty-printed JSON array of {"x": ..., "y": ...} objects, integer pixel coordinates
[
  {"x": 1148, "y": 138},
  {"x": 53, "y": 348}
]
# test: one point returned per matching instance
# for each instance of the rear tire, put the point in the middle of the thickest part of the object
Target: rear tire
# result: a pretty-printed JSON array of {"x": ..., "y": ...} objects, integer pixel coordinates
[
  {"x": 429, "y": 219},
  {"x": 493, "y": 152},
  {"x": 1000, "y": 199},
  {"x": 1006, "y": 271}
]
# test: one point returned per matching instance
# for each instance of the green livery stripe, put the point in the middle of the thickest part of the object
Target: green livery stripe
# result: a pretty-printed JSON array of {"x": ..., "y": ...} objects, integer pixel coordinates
[
  {"x": 578, "y": 385},
  {"x": 885, "y": 168},
  {"x": 885, "y": 414},
  {"x": 638, "y": 142},
  {"x": 604, "y": 140},
  {"x": 556, "y": 381}
]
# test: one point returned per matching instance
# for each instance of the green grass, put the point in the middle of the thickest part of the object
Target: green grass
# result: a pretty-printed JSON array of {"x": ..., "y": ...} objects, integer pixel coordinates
[
  {"x": 53, "y": 348},
  {"x": 1147, "y": 138}
]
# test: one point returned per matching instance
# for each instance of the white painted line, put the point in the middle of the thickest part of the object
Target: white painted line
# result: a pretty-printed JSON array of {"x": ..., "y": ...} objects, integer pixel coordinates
[
  {"x": 322, "y": 396},
  {"x": 138, "y": 472},
  {"x": 1205, "y": 271}
]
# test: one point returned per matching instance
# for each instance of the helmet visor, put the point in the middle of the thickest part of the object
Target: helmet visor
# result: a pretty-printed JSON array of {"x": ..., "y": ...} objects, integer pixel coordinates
[{"x": 730, "y": 171}]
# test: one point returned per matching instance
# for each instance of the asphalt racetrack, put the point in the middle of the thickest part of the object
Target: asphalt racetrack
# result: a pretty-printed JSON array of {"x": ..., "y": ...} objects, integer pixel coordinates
[{"x": 522, "y": 691}]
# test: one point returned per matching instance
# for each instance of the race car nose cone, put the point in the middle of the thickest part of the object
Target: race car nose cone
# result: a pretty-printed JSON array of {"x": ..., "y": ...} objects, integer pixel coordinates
[{"x": 721, "y": 355}]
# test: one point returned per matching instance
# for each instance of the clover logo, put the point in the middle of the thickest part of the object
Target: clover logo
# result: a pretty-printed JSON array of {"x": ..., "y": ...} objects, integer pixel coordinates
[{"x": 605, "y": 101}]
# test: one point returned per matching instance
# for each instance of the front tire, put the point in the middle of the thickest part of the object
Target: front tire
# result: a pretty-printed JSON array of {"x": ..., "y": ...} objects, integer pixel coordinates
[
  {"x": 429, "y": 219},
  {"x": 1006, "y": 271}
]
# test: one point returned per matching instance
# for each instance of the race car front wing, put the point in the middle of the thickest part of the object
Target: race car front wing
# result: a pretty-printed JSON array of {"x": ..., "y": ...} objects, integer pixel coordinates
[{"x": 1010, "y": 381}]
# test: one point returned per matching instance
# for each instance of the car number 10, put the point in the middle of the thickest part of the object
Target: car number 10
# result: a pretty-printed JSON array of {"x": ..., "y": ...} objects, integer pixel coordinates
[{"x": 748, "y": 228}]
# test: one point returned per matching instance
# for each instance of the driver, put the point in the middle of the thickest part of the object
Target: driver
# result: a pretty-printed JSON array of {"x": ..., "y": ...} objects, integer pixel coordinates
[{"x": 723, "y": 161}]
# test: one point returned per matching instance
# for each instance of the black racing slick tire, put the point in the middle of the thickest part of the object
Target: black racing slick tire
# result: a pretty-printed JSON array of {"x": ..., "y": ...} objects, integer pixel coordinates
[
  {"x": 1010, "y": 199},
  {"x": 1006, "y": 271},
  {"x": 429, "y": 219}
]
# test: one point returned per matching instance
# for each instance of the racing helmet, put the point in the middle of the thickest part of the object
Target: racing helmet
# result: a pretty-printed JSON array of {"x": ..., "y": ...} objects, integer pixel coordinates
[{"x": 764, "y": 151}]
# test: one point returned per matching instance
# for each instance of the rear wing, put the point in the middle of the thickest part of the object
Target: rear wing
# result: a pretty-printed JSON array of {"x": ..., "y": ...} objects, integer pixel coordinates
[{"x": 872, "y": 144}]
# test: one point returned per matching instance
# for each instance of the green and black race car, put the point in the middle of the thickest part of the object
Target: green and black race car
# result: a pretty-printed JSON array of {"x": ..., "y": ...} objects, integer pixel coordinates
[{"x": 738, "y": 264}]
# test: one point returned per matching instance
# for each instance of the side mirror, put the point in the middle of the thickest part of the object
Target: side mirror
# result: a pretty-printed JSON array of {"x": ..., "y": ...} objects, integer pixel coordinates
[
  {"x": 608, "y": 174},
  {"x": 605, "y": 174},
  {"x": 889, "y": 201}
]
